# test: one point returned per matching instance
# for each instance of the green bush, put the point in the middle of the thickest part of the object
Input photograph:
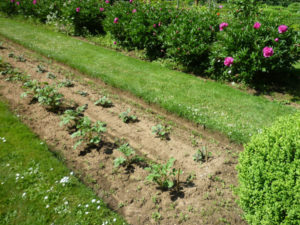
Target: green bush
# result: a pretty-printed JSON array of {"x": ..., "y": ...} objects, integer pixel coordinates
[
  {"x": 189, "y": 37},
  {"x": 269, "y": 174},
  {"x": 245, "y": 44}
]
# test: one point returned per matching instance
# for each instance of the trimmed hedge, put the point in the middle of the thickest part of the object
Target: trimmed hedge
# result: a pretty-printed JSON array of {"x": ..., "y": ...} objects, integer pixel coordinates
[{"x": 269, "y": 174}]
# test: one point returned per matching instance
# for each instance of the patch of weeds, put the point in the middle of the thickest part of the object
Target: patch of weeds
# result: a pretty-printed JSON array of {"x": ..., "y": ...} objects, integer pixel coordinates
[
  {"x": 101, "y": 165},
  {"x": 82, "y": 93},
  {"x": 202, "y": 155},
  {"x": 126, "y": 117},
  {"x": 191, "y": 177},
  {"x": 183, "y": 217},
  {"x": 66, "y": 83},
  {"x": 161, "y": 131},
  {"x": 41, "y": 69},
  {"x": 104, "y": 102},
  {"x": 156, "y": 216},
  {"x": 51, "y": 76}
]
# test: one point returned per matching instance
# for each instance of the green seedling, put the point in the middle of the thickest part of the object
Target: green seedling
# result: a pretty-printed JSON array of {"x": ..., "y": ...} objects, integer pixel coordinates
[
  {"x": 126, "y": 117},
  {"x": 66, "y": 83},
  {"x": 161, "y": 131},
  {"x": 104, "y": 102},
  {"x": 72, "y": 118},
  {"x": 82, "y": 93},
  {"x": 202, "y": 155},
  {"x": 51, "y": 76},
  {"x": 128, "y": 153},
  {"x": 40, "y": 69}
]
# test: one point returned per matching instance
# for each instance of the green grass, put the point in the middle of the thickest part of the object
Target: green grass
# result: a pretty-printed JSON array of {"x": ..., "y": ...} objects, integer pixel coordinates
[
  {"x": 31, "y": 191},
  {"x": 220, "y": 107}
]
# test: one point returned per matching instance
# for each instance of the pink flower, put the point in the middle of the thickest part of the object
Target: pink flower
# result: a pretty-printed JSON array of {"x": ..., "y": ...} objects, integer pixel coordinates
[
  {"x": 107, "y": 1},
  {"x": 257, "y": 25},
  {"x": 115, "y": 42},
  {"x": 268, "y": 52},
  {"x": 34, "y": 2},
  {"x": 223, "y": 25},
  {"x": 276, "y": 39},
  {"x": 220, "y": 6},
  {"x": 228, "y": 61},
  {"x": 130, "y": 1},
  {"x": 134, "y": 11},
  {"x": 78, "y": 9},
  {"x": 101, "y": 9},
  {"x": 18, "y": 3},
  {"x": 154, "y": 25},
  {"x": 116, "y": 20},
  {"x": 282, "y": 29},
  {"x": 159, "y": 24},
  {"x": 12, "y": 1}
]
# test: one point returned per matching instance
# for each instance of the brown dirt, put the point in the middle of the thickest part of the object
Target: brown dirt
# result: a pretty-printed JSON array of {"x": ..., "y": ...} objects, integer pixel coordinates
[{"x": 208, "y": 200}]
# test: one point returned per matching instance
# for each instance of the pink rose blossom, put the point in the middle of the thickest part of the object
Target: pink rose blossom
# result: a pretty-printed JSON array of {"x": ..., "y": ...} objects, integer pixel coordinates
[
  {"x": 101, "y": 9},
  {"x": 154, "y": 25},
  {"x": 116, "y": 20},
  {"x": 134, "y": 11},
  {"x": 257, "y": 25},
  {"x": 282, "y": 29},
  {"x": 115, "y": 42},
  {"x": 34, "y": 2},
  {"x": 78, "y": 9},
  {"x": 228, "y": 61},
  {"x": 107, "y": 1},
  {"x": 220, "y": 6},
  {"x": 268, "y": 52},
  {"x": 223, "y": 25},
  {"x": 159, "y": 24},
  {"x": 276, "y": 39},
  {"x": 12, "y": 1},
  {"x": 18, "y": 3},
  {"x": 130, "y": 1}
]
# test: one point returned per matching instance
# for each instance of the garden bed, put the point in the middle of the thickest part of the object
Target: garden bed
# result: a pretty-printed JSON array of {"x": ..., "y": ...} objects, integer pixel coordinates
[{"x": 205, "y": 198}]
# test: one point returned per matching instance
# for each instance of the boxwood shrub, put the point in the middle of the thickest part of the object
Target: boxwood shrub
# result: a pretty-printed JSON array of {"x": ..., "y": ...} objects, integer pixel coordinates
[{"x": 269, "y": 174}]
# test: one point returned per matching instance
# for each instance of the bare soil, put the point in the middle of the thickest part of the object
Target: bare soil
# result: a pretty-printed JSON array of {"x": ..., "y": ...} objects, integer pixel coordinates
[{"x": 208, "y": 199}]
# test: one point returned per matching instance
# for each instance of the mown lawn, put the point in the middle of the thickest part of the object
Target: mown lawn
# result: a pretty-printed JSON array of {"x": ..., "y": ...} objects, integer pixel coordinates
[
  {"x": 217, "y": 106},
  {"x": 36, "y": 188}
]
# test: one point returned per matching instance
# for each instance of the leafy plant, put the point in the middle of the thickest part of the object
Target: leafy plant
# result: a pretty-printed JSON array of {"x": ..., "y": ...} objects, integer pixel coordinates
[
  {"x": 82, "y": 93},
  {"x": 126, "y": 117},
  {"x": 88, "y": 132},
  {"x": 41, "y": 69},
  {"x": 104, "y": 102},
  {"x": 73, "y": 118},
  {"x": 128, "y": 153},
  {"x": 163, "y": 174},
  {"x": 21, "y": 59},
  {"x": 202, "y": 155},
  {"x": 51, "y": 76},
  {"x": 161, "y": 131},
  {"x": 66, "y": 83},
  {"x": 11, "y": 55}
]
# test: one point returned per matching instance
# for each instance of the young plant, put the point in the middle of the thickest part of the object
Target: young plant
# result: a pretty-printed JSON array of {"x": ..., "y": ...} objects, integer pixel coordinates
[
  {"x": 1, "y": 45},
  {"x": 72, "y": 118},
  {"x": 163, "y": 174},
  {"x": 202, "y": 155},
  {"x": 41, "y": 69},
  {"x": 126, "y": 117},
  {"x": 88, "y": 132},
  {"x": 11, "y": 55},
  {"x": 161, "y": 131},
  {"x": 49, "y": 96},
  {"x": 21, "y": 59},
  {"x": 51, "y": 76},
  {"x": 104, "y": 102},
  {"x": 82, "y": 93},
  {"x": 66, "y": 83},
  {"x": 128, "y": 153}
]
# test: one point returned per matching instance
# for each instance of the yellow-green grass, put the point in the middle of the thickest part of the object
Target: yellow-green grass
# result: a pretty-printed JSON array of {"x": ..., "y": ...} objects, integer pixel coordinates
[
  {"x": 219, "y": 107},
  {"x": 35, "y": 186}
]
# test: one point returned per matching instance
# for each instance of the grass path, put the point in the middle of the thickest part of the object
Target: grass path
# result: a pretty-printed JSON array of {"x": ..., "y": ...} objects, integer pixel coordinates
[
  {"x": 36, "y": 188},
  {"x": 229, "y": 111}
]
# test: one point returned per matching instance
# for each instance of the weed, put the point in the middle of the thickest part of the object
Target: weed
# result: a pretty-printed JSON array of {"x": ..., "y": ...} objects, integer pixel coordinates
[
  {"x": 66, "y": 83},
  {"x": 41, "y": 69},
  {"x": 82, "y": 93},
  {"x": 156, "y": 216},
  {"x": 21, "y": 59},
  {"x": 104, "y": 102},
  {"x": 51, "y": 76},
  {"x": 126, "y": 117}
]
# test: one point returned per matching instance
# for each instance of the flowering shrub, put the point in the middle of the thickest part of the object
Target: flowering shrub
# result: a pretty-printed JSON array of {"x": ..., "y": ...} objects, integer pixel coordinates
[
  {"x": 188, "y": 38},
  {"x": 262, "y": 52}
]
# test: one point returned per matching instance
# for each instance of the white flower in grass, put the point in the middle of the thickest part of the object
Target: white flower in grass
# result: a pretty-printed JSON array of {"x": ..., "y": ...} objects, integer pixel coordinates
[
  {"x": 47, "y": 206},
  {"x": 93, "y": 200},
  {"x": 86, "y": 206},
  {"x": 72, "y": 173},
  {"x": 98, "y": 201},
  {"x": 86, "y": 213},
  {"x": 7, "y": 164},
  {"x": 51, "y": 169},
  {"x": 46, "y": 197},
  {"x": 2, "y": 183},
  {"x": 17, "y": 174},
  {"x": 98, "y": 207},
  {"x": 66, "y": 202},
  {"x": 64, "y": 180},
  {"x": 24, "y": 195},
  {"x": 79, "y": 205},
  {"x": 114, "y": 219}
]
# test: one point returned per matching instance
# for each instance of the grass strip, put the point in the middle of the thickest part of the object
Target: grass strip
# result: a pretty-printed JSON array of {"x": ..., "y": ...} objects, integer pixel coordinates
[
  {"x": 217, "y": 106},
  {"x": 36, "y": 188}
]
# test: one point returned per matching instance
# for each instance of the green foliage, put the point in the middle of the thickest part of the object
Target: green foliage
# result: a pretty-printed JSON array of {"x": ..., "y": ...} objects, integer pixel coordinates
[
  {"x": 163, "y": 174},
  {"x": 88, "y": 132},
  {"x": 268, "y": 174},
  {"x": 41, "y": 69},
  {"x": 128, "y": 153},
  {"x": 202, "y": 155},
  {"x": 104, "y": 102},
  {"x": 126, "y": 117},
  {"x": 51, "y": 76},
  {"x": 66, "y": 83},
  {"x": 73, "y": 118},
  {"x": 161, "y": 131},
  {"x": 187, "y": 39}
]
